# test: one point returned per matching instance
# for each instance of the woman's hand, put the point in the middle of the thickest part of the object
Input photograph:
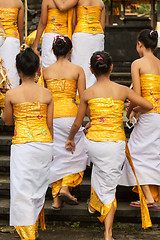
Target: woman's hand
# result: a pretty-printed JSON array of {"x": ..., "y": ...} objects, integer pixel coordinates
[
  {"x": 88, "y": 125},
  {"x": 70, "y": 146},
  {"x": 133, "y": 114}
]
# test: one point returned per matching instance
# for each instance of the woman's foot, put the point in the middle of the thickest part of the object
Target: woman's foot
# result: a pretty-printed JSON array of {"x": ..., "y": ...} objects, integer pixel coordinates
[
  {"x": 108, "y": 236},
  {"x": 66, "y": 196},
  {"x": 156, "y": 205},
  {"x": 57, "y": 203},
  {"x": 137, "y": 204}
]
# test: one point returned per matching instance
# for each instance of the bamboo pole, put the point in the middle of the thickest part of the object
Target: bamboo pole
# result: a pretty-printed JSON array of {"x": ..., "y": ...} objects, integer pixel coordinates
[{"x": 26, "y": 9}]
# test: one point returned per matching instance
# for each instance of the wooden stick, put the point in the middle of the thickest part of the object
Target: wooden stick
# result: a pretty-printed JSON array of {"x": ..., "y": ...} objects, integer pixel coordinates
[{"x": 26, "y": 8}]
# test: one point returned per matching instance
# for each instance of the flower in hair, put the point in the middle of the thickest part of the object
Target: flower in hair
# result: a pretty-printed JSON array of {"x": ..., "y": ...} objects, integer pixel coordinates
[
  {"x": 59, "y": 36},
  {"x": 151, "y": 32},
  {"x": 99, "y": 57}
]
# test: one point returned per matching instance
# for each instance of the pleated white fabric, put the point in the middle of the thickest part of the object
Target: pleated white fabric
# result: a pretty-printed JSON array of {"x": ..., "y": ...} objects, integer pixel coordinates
[
  {"x": 66, "y": 163},
  {"x": 48, "y": 56},
  {"x": 108, "y": 159},
  {"x": 144, "y": 146},
  {"x": 84, "y": 45},
  {"x": 8, "y": 52},
  {"x": 29, "y": 164}
]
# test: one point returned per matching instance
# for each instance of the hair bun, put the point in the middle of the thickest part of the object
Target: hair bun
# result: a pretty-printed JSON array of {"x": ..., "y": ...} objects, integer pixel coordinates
[
  {"x": 60, "y": 42},
  {"x": 153, "y": 34}
]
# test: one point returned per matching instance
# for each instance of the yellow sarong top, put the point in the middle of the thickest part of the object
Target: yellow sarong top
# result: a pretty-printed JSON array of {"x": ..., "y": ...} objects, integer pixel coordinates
[
  {"x": 30, "y": 123},
  {"x": 88, "y": 20},
  {"x": 8, "y": 18},
  {"x": 106, "y": 120},
  {"x": 64, "y": 94},
  {"x": 150, "y": 90},
  {"x": 57, "y": 22}
]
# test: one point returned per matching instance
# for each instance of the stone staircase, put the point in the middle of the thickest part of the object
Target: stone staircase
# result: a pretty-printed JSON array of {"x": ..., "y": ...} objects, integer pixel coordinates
[{"x": 78, "y": 213}]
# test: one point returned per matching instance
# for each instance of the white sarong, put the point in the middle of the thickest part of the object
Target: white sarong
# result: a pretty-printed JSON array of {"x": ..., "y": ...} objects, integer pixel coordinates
[
  {"x": 48, "y": 56},
  {"x": 84, "y": 45},
  {"x": 66, "y": 163},
  {"x": 108, "y": 159},
  {"x": 29, "y": 164},
  {"x": 144, "y": 146},
  {"x": 8, "y": 52}
]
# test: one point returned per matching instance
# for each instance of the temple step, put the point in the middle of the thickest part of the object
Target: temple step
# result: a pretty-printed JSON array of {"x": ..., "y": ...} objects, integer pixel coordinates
[{"x": 78, "y": 213}]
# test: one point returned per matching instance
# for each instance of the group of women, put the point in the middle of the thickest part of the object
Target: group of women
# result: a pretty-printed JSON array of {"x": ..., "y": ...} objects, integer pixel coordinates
[{"x": 49, "y": 146}]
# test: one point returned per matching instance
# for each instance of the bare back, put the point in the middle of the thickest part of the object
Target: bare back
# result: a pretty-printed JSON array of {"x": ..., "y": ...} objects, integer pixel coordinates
[
  {"x": 93, "y": 3},
  {"x": 149, "y": 65},
  {"x": 11, "y": 4},
  {"x": 107, "y": 89},
  {"x": 30, "y": 93}
]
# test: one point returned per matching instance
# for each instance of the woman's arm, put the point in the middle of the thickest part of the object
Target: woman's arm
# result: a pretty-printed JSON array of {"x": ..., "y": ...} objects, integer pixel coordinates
[
  {"x": 20, "y": 22},
  {"x": 70, "y": 145},
  {"x": 64, "y": 5},
  {"x": 142, "y": 103},
  {"x": 81, "y": 83},
  {"x": 103, "y": 18},
  {"x": 135, "y": 72},
  {"x": 74, "y": 19},
  {"x": 8, "y": 110},
  {"x": 42, "y": 24},
  {"x": 50, "y": 109}
]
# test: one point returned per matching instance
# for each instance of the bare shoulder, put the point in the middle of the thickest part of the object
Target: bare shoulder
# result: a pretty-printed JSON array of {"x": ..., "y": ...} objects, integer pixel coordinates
[
  {"x": 102, "y": 4},
  {"x": 20, "y": 4},
  {"x": 77, "y": 68},
  {"x": 137, "y": 62}
]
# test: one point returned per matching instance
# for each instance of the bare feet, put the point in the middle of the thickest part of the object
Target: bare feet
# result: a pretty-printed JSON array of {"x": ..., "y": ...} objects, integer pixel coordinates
[
  {"x": 57, "y": 203},
  {"x": 65, "y": 190}
]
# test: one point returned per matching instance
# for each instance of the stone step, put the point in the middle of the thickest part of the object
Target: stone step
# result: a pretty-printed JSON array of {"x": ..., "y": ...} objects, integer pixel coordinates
[
  {"x": 82, "y": 192},
  {"x": 125, "y": 213},
  {"x": 123, "y": 78},
  {"x": 5, "y": 143}
]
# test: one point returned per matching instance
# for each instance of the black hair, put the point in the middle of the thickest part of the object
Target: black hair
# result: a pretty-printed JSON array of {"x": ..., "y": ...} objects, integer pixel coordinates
[
  {"x": 149, "y": 38},
  {"x": 101, "y": 62},
  {"x": 27, "y": 62},
  {"x": 61, "y": 46}
]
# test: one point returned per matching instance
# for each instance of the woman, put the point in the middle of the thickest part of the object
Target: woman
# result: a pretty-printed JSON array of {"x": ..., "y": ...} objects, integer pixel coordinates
[
  {"x": 144, "y": 143},
  {"x": 63, "y": 79},
  {"x": 54, "y": 22},
  {"x": 105, "y": 141},
  {"x": 30, "y": 107},
  {"x": 12, "y": 18}
]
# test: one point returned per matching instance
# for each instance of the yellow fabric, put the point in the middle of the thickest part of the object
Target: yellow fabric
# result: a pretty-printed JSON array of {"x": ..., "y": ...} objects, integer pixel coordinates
[
  {"x": 2, "y": 97},
  {"x": 99, "y": 206},
  {"x": 88, "y": 20},
  {"x": 8, "y": 18},
  {"x": 64, "y": 94},
  {"x": 106, "y": 120},
  {"x": 30, "y": 123},
  {"x": 150, "y": 90},
  {"x": 107, "y": 125},
  {"x": 31, "y": 232},
  {"x": 31, "y": 37},
  {"x": 72, "y": 180},
  {"x": 57, "y": 22}
]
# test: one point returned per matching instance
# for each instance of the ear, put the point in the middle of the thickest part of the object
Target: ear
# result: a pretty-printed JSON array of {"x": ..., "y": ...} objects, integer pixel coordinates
[
  {"x": 91, "y": 70},
  {"x": 111, "y": 68},
  {"x": 139, "y": 44}
]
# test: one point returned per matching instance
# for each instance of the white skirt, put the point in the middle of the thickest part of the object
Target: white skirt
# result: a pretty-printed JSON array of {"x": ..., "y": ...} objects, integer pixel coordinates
[
  {"x": 144, "y": 146},
  {"x": 8, "y": 52},
  {"x": 108, "y": 159},
  {"x": 66, "y": 163},
  {"x": 84, "y": 45},
  {"x": 29, "y": 176},
  {"x": 48, "y": 56}
]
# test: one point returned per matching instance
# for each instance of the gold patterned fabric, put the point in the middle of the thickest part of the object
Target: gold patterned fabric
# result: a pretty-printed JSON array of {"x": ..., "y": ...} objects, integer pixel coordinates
[
  {"x": 8, "y": 18},
  {"x": 106, "y": 120},
  {"x": 99, "y": 206},
  {"x": 30, "y": 123},
  {"x": 31, "y": 232},
  {"x": 150, "y": 90},
  {"x": 88, "y": 20},
  {"x": 57, "y": 22},
  {"x": 2, "y": 97},
  {"x": 71, "y": 180},
  {"x": 64, "y": 94},
  {"x": 107, "y": 125}
]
